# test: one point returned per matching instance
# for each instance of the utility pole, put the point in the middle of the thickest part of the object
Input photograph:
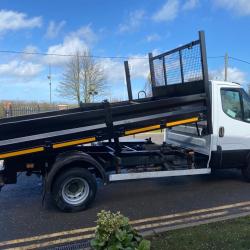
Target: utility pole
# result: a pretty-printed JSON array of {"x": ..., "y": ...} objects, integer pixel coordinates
[
  {"x": 49, "y": 77},
  {"x": 226, "y": 66}
]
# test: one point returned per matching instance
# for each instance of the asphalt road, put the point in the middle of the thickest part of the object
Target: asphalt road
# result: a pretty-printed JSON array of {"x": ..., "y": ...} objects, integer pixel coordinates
[{"x": 23, "y": 215}]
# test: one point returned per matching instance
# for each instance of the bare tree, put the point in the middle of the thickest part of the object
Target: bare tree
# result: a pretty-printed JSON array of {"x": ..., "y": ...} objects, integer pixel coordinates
[
  {"x": 83, "y": 79},
  {"x": 93, "y": 77}
]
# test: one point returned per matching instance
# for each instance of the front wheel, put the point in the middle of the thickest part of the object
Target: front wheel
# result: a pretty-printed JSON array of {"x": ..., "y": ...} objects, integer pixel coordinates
[{"x": 74, "y": 190}]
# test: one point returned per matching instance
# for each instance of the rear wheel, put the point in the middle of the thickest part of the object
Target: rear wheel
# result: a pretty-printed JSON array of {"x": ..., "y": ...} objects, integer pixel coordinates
[{"x": 74, "y": 190}]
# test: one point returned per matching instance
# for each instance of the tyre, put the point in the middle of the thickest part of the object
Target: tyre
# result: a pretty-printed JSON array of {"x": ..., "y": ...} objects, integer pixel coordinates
[
  {"x": 246, "y": 172},
  {"x": 74, "y": 190}
]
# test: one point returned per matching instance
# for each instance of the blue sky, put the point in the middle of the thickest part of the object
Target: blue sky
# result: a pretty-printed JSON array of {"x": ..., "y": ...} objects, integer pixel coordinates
[{"x": 114, "y": 28}]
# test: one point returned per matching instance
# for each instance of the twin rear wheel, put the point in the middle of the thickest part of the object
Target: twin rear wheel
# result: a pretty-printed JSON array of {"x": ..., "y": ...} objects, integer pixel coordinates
[{"x": 74, "y": 189}]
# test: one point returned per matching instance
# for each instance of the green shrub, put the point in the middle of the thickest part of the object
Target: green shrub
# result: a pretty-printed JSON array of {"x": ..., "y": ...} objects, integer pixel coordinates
[{"x": 114, "y": 232}]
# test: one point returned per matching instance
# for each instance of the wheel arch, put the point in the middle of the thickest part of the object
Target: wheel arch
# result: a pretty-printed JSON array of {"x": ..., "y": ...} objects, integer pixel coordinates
[{"x": 74, "y": 158}]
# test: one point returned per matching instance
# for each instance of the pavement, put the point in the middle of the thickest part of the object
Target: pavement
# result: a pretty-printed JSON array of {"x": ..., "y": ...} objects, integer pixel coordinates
[{"x": 159, "y": 204}]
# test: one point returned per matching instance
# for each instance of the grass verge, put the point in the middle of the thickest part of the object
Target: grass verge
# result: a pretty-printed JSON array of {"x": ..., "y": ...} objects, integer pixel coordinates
[{"x": 231, "y": 234}]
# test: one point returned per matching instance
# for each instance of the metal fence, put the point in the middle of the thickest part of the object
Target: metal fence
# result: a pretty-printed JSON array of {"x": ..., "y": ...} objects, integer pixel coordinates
[{"x": 19, "y": 110}]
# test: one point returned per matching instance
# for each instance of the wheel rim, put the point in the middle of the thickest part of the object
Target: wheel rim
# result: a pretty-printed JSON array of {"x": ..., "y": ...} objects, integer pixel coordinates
[{"x": 75, "y": 191}]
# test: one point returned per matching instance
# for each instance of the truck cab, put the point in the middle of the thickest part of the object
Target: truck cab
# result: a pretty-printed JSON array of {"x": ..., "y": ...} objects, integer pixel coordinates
[{"x": 229, "y": 144}]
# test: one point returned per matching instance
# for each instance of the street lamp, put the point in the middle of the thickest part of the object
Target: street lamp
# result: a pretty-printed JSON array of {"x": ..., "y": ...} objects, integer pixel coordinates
[
  {"x": 49, "y": 78},
  {"x": 92, "y": 91}
]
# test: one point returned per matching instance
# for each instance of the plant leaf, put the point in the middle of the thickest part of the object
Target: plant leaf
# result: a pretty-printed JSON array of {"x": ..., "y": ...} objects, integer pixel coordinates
[{"x": 144, "y": 245}]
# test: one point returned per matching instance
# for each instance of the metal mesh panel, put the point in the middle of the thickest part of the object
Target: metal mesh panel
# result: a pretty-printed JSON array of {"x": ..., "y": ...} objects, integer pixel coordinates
[
  {"x": 192, "y": 66},
  {"x": 173, "y": 68},
  {"x": 159, "y": 72},
  {"x": 178, "y": 67}
]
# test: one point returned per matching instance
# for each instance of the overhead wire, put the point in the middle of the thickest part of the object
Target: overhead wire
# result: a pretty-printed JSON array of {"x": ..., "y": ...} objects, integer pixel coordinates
[
  {"x": 87, "y": 56},
  {"x": 69, "y": 55},
  {"x": 239, "y": 60}
]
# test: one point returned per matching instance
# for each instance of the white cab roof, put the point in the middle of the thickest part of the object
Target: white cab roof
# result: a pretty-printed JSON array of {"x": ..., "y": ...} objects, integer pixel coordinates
[{"x": 229, "y": 84}]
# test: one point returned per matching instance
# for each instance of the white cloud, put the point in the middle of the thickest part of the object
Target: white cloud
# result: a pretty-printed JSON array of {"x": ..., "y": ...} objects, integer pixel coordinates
[
  {"x": 172, "y": 8},
  {"x": 190, "y": 4},
  {"x": 139, "y": 68},
  {"x": 69, "y": 46},
  {"x": 54, "y": 29},
  {"x": 12, "y": 20},
  {"x": 134, "y": 21},
  {"x": 79, "y": 40},
  {"x": 85, "y": 33},
  {"x": 153, "y": 37},
  {"x": 21, "y": 68},
  {"x": 241, "y": 7},
  {"x": 114, "y": 69},
  {"x": 29, "y": 66},
  {"x": 16, "y": 68},
  {"x": 30, "y": 49},
  {"x": 168, "y": 11},
  {"x": 234, "y": 75}
]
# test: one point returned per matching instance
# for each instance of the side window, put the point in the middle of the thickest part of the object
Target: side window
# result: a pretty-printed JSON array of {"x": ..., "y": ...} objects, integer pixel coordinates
[
  {"x": 231, "y": 103},
  {"x": 246, "y": 106}
]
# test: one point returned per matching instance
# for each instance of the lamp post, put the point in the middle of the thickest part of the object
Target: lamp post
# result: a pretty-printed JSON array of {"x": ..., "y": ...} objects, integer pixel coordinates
[
  {"x": 49, "y": 78},
  {"x": 92, "y": 92}
]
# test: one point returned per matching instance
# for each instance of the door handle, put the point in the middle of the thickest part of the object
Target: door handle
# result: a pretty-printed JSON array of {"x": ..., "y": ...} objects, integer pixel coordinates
[{"x": 221, "y": 131}]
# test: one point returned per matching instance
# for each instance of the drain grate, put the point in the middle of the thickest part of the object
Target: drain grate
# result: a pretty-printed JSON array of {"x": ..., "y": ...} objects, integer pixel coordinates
[{"x": 75, "y": 246}]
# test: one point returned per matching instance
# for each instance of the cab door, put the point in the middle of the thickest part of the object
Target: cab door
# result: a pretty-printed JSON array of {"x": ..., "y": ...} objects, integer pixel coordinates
[{"x": 233, "y": 126}]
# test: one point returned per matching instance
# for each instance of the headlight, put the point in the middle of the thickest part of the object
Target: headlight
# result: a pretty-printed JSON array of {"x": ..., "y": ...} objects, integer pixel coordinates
[{"x": 1, "y": 165}]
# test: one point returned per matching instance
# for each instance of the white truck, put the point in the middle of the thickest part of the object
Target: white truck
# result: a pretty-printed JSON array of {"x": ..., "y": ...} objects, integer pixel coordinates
[{"x": 207, "y": 122}]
